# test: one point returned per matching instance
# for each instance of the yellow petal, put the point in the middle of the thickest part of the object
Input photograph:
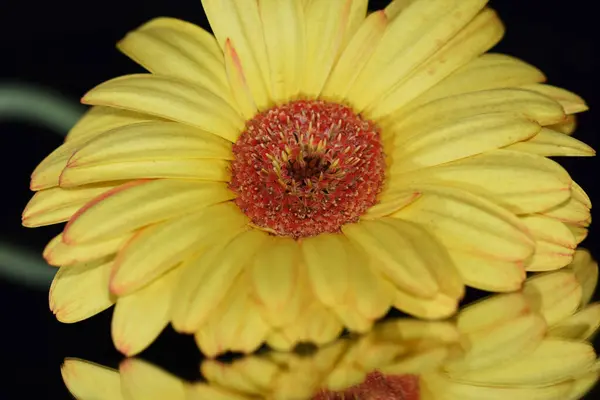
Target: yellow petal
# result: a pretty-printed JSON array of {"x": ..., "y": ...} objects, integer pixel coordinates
[
  {"x": 486, "y": 273},
  {"x": 580, "y": 195},
  {"x": 419, "y": 363},
  {"x": 202, "y": 391},
  {"x": 79, "y": 292},
  {"x": 302, "y": 377},
  {"x": 169, "y": 98},
  {"x": 101, "y": 119},
  {"x": 553, "y": 361},
  {"x": 580, "y": 233},
  {"x": 252, "y": 330},
  {"x": 151, "y": 141},
  {"x": 570, "y": 102},
  {"x": 571, "y": 211},
  {"x": 94, "y": 122},
  {"x": 582, "y": 385},
  {"x": 286, "y": 323},
  {"x": 463, "y": 221},
  {"x": 551, "y": 143},
  {"x": 554, "y": 243},
  {"x": 460, "y": 139},
  {"x": 345, "y": 373},
  {"x": 131, "y": 206},
  {"x": 402, "y": 252},
  {"x": 86, "y": 380},
  {"x": 567, "y": 126},
  {"x": 355, "y": 56},
  {"x": 207, "y": 339},
  {"x": 579, "y": 326},
  {"x": 437, "y": 307},
  {"x": 183, "y": 28},
  {"x": 418, "y": 334},
  {"x": 395, "y": 7},
  {"x": 403, "y": 344},
  {"x": 363, "y": 355},
  {"x": 171, "y": 47},
  {"x": 371, "y": 294},
  {"x": 143, "y": 381},
  {"x": 206, "y": 279},
  {"x": 240, "y": 22},
  {"x": 209, "y": 170},
  {"x": 555, "y": 295},
  {"x": 158, "y": 248},
  {"x": 499, "y": 344},
  {"x": 492, "y": 311},
  {"x": 52, "y": 244},
  {"x": 284, "y": 37},
  {"x": 279, "y": 341},
  {"x": 141, "y": 316},
  {"x": 253, "y": 374},
  {"x": 352, "y": 319},
  {"x": 478, "y": 36},
  {"x": 489, "y": 71},
  {"x": 503, "y": 175},
  {"x": 317, "y": 324},
  {"x": 390, "y": 201},
  {"x": 59, "y": 253},
  {"x": 441, "y": 387},
  {"x": 416, "y": 34},
  {"x": 236, "y": 323},
  {"x": 326, "y": 23},
  {"x": 357, "y": 15},
  {"x": 47, "y": 174},
  {"x": 586, "y": 272},
  {"x": 238, "y": 81},
  {"x": 54, "y": 205},
  {"x": 537, "y": 107},
  {"x": 274, "y": 274},
  {"x": 327, "y": 257}
]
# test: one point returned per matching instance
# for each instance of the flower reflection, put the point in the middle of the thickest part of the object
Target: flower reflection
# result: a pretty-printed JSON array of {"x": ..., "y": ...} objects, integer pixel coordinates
[{"x": 532, "y": 344}]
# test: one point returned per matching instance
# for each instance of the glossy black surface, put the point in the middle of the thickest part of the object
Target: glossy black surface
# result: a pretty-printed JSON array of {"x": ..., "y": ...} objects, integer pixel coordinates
[{"x": 68, "y": 46}]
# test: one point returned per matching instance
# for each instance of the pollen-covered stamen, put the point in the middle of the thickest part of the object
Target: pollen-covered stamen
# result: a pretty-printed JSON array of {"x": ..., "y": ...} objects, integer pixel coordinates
[{"x": 307, "y": 167}]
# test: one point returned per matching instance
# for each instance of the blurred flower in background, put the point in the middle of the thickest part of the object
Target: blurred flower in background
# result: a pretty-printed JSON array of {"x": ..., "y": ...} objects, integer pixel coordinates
[
  {"x": 290, "y": 178},
  {"x": 531, "y": 344}
]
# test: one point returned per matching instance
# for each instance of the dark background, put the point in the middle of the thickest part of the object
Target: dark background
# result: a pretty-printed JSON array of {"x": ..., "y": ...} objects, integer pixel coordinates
[{"x": 68, "y": 46}]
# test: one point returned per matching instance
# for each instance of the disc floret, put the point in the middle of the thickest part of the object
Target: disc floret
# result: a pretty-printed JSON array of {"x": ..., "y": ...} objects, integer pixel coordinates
[{"x": 307, "y": 167}]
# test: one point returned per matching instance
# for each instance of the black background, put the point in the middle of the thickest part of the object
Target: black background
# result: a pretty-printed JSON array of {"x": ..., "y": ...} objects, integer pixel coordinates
[{"x": 68, "y": 46}]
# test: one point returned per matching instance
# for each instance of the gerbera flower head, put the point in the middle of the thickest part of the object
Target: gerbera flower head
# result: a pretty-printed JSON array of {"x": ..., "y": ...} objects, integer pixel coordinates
[
  {"x": 304, "y": 170},
  {"x": 531, "y": 344}
]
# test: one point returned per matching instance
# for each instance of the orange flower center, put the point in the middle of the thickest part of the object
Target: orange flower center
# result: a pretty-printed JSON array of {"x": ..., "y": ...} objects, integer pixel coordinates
[
  {"x": 378, "y": 387},
  {"x": 307, "y": 167}
]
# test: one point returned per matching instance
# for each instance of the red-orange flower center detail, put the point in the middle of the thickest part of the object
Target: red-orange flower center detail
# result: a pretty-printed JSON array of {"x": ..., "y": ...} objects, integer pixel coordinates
[
  {"x": 307, "y": 167},
  {"x": 378, "y": 386}
]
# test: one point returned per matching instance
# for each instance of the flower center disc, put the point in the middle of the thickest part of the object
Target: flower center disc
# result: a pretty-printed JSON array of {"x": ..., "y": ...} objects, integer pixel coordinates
[{"x": 307, "y": 167}]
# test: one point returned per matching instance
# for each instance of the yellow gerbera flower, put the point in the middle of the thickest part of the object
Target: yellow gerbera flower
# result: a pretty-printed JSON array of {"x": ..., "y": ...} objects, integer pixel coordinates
[
  {"x": 532, "y": 344},
  {"x": 304, "y": 170}
]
